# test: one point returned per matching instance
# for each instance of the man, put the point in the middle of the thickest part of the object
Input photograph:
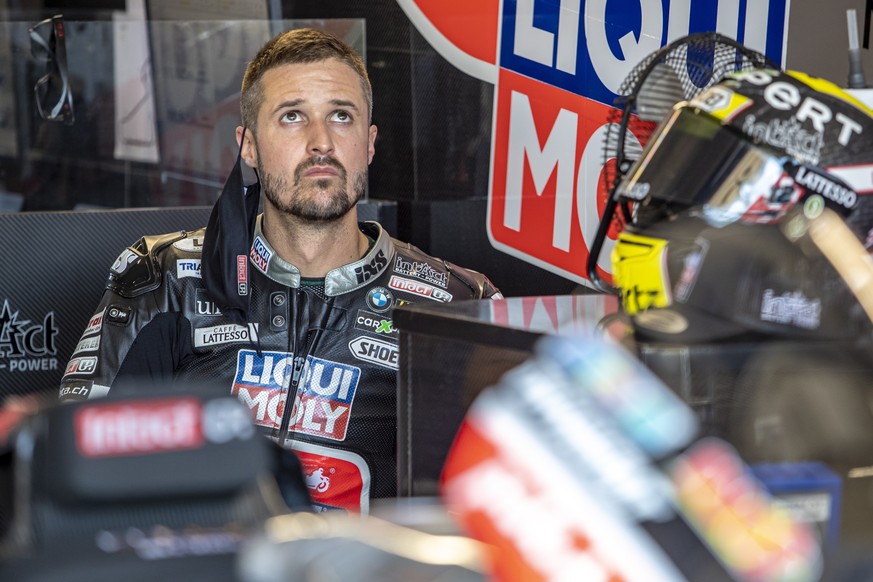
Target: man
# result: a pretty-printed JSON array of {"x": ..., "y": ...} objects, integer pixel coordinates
[{"x": 292, "y": 308}]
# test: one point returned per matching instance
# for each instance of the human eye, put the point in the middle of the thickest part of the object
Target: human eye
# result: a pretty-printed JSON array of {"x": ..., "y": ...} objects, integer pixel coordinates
[
  {"x": 291, "y": 117},
  {"x": 341, "y": 116}
]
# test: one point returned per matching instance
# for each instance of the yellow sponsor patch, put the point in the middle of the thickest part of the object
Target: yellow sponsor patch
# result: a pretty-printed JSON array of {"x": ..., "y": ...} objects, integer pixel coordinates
[{"x": 639, "y": 268}]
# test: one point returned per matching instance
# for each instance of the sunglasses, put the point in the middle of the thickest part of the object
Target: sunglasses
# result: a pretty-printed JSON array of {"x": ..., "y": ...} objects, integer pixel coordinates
[{"x": 54, "y": 101}]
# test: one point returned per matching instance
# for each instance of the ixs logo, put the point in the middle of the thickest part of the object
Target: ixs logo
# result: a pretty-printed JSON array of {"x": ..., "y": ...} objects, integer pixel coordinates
[
  {"x": 260, "y": 254},
  {"x": 26, "y": 345},
  {"x": 187, "y": 268},
  {"x": 423, "y": 271},
  {"x": 557, "y": 69},
  {"x": 369, "y": 270},
  {"x": 375, "y": 351},
  {"x": 419, "y": 288},
  {"x": 324, "y": 396}
]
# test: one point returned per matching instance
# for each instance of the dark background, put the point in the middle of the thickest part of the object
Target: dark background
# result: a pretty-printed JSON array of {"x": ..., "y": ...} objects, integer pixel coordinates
[{"x": 432, "y": 150}]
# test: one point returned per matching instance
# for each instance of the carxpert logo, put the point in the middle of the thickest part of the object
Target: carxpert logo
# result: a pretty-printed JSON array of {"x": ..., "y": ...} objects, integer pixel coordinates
[{"x": 557, "y": 68}]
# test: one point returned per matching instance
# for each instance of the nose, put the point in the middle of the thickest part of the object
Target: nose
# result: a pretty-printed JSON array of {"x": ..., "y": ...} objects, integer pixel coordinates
[{"x": 320, "y": 138}]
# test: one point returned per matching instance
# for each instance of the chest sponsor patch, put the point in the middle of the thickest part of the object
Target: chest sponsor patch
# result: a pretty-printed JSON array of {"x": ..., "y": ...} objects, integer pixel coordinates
[
  {"x": 410, "y": 268},
  {"x": 260, "y": 254},
  {"x": 375, "y": 351},
  {"x": 203, "y": 305},
  {"x": 335, "y": 479},
  {"x": 87, "y": 344},
  {"x": 375, "y": 323},
  {"x": 187, "y": 268},
  {"x": 379, "y": 299},
  {"x": 85, "y": 366},
  {"x": 191, "y": 244},
  {"x": 95, "y": 324},
  {"x": 325, "y": 394},
  {"x": 419, "y": 288},
  {"x": 222, "y": 334}
]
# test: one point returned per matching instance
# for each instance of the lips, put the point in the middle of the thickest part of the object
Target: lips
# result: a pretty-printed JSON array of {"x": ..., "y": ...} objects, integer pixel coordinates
[{"x": 320, "y": 167}]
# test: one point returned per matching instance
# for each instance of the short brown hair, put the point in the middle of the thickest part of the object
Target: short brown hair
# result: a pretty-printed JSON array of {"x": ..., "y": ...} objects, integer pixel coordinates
[{"x": 303, "y": 45}]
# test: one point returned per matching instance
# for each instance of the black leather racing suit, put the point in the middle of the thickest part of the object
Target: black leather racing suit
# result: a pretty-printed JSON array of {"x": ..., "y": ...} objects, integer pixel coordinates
[{"x": 331, "y": 348}]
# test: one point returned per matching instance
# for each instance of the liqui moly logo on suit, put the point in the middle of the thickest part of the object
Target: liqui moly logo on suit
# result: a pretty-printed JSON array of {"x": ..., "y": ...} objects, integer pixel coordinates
[
  {"x": 557, "y": 68},
  {"x": 325, "y": 394}
]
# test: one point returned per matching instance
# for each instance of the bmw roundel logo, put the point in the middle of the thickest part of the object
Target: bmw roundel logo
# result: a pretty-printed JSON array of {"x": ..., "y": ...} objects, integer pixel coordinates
[{"x": 379, "y": 299}]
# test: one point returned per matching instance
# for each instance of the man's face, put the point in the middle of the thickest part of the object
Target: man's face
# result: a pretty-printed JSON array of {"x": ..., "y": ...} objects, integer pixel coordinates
[{"x": 313, "y": 141}]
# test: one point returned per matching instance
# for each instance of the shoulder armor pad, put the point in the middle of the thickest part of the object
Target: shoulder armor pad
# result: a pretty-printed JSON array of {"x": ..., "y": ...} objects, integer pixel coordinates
[{"x": 137, "y": 269}]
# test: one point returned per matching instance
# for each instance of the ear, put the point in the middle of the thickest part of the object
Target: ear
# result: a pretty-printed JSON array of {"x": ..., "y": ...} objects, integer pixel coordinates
[
  {"x": 371, "y": 145},
  {"x": 248, "y": 152}
]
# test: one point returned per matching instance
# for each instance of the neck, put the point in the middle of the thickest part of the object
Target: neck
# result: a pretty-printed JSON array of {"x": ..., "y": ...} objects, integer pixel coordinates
[{"x": 314, "y": 248}]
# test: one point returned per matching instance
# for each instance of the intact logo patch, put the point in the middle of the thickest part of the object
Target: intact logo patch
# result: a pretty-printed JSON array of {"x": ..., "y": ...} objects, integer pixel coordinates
[
  {"x": 419, "y": 288},
  {"x": 324, "y": 397},
  {"x": 410, "y": 268},
  {"x": 375, "y": 351},
  {"x": 187, "y": 268},
  {"x": 375, "y": 323}
]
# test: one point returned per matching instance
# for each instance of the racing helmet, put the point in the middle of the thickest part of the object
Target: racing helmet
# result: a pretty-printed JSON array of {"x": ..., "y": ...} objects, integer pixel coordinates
[{"x": 705, "y": 201}]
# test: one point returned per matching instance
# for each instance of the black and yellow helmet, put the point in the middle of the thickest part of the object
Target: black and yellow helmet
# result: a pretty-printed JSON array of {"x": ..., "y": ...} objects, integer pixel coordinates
[{"x": 713, "y": 184}]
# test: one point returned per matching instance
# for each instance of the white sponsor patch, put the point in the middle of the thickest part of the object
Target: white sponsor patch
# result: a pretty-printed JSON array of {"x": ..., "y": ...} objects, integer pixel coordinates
[
  {"x": 375, "y": 351},
  {"x": 95, "y": 324},
  {"x": 87, "y": 344},
  {"x": 222, "y": 334},
  {"x": 188, "y": 268}
]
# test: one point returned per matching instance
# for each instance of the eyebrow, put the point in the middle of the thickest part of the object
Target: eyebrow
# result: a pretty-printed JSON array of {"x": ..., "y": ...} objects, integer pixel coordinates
[{"x": 336, "y": 102}]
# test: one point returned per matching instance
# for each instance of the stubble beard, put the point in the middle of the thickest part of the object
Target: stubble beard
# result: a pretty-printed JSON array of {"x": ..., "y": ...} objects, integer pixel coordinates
[{"x": 319, "y": 200}]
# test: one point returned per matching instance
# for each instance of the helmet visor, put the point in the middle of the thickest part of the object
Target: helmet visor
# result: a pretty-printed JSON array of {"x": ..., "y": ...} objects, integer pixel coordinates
[{"x": 694, "y": 162}]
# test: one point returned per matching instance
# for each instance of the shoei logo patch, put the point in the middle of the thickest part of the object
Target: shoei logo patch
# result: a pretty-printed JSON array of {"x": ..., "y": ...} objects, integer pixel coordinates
[
  {"x": 324, "y": 397},
  {"x": 187, "y": 268},
  {"x": 557, "y": 68},
  {"x": 375, "y": 351}
]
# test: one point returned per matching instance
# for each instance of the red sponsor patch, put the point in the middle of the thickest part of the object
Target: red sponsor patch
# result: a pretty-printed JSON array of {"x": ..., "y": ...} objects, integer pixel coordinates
[{"x": 139, "y": 428}]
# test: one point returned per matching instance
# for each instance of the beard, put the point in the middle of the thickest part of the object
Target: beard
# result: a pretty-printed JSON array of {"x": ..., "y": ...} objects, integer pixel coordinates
[{"x": 322, "y": 200}]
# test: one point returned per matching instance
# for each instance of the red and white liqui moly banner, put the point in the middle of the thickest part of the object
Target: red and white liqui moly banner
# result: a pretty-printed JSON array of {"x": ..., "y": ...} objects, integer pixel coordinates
[{"x": 557, "y": 67}]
